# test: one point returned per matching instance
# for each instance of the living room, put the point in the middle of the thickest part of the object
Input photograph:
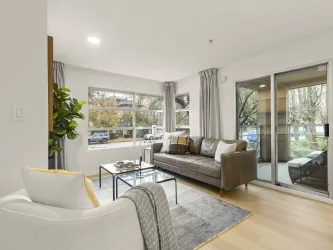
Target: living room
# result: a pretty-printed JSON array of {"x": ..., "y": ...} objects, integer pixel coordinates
[{"x": 212, "y": 75}]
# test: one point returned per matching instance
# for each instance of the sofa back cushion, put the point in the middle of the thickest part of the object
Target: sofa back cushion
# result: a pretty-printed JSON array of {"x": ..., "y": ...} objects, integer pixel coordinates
[
  {"x": 179, "y": 145},
  {"x": 241, "y": 144},
  {"x": 195, "y": 144},
  {"x": 208, "y": 147}
]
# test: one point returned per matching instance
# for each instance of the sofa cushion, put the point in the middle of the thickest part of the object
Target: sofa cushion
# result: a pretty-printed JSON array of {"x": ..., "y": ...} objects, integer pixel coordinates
[
  {"x": 167, "y": 158},
  {"x": 195, "y": 144},
  {"x": 206, "y": 166},
  {"x": 179, "y": 145},
  {"x": 241, "y": 144},
  {"x": 208, "y": 147},
  {"x": 195, "y": 163}
]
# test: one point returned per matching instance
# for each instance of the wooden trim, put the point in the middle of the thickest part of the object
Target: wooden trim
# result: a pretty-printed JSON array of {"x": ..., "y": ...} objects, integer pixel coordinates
[{"x": 50, "y": 81}]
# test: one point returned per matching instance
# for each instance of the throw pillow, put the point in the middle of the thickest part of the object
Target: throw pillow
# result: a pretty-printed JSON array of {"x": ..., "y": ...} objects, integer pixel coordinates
[
  {"x": 59, "y": 188},
  {"x": 179, "y": 145},
  {"x": 223, "y": 148},
  {"x": 166, "y": 140}
]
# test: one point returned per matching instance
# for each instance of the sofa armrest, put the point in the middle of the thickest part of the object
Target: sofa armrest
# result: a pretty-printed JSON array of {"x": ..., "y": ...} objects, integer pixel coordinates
[
  {"x": 155, "y": 148},
  {"x": 238, "y": 168}
]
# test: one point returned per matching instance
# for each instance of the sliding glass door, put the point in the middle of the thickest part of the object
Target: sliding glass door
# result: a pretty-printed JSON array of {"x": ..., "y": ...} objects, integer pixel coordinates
[
  {"x": 254, "y": 121},
  {"x": 301, "y": 136},
  {"x": 286, "y": 122}
]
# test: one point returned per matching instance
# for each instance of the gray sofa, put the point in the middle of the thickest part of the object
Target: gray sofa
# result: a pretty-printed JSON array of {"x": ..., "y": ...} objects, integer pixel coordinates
[{"x": 237, "y": 168}]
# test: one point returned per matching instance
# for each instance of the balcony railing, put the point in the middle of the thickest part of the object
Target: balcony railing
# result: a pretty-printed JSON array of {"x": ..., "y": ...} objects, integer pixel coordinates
[{"x": 301, "y": 139}]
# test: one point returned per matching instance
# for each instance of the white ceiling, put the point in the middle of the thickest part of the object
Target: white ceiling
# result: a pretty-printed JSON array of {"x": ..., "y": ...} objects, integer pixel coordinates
[{"x": 168, "y": 40}]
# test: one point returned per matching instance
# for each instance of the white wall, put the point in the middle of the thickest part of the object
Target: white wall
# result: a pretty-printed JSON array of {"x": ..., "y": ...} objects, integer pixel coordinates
[
  {"x": 79, "y": 158},
  {"x": 191, "y": 85},
  {"x": 23, "y": 74}
]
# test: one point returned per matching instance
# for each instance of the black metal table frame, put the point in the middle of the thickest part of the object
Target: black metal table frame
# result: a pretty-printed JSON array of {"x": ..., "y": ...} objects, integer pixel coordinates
[
  {"x": 114, "y": 177},
  {"x": 169, "y": 179}
]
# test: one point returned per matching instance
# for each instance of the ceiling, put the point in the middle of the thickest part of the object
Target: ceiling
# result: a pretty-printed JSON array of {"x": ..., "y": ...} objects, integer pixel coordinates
[{"x": 169, "y": 40}]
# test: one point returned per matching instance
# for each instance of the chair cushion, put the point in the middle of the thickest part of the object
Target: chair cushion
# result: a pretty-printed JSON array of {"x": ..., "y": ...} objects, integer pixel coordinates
[
  {"x": 208, "y": 147},
  {"x": 179, "y": 145},
  {"x": 195, "y": 144},
  {"x": 298, "y": 162},
  {"x": 241, "y": 144},
  {"x": 59, "y": 188},
  {"x": 195, "y": 163}
]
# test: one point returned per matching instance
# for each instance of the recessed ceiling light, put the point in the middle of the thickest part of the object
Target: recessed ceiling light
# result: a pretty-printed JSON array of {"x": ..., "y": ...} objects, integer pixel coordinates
[
  {"x": 93, "y": 40},
  {"x": 262, "y": 86}
]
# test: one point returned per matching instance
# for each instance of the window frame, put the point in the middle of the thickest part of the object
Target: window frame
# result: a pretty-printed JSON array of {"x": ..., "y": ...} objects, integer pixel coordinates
[
  {"x": 133, "y": 109},
  {"x": 183, "y": 110}
]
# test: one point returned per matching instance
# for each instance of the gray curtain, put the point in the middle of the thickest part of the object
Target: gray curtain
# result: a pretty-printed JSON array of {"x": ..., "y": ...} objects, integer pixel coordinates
[
  {"x": 209, "y": 104},
  {"x": 169, "y": 107},
  {"x": 59, "y": 78}
]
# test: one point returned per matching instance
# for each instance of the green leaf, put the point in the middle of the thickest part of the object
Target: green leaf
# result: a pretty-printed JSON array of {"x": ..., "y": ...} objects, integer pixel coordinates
[
  {"x": 65, "y": 89},
  {"x": 57, "y": 148},
  {"x": 73, "y": 124},
  {"x": 52, "y": 152},
  {"x": 71, "y": 135},
  {"x": 60, "y": 131}
]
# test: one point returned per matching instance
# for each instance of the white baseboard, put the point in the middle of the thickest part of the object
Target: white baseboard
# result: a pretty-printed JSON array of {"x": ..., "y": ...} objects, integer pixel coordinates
[{"x": 294, "y": 192}]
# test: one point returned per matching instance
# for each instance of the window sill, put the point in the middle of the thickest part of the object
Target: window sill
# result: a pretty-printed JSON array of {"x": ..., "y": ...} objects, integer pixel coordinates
[{"x": 98, "y": 147}]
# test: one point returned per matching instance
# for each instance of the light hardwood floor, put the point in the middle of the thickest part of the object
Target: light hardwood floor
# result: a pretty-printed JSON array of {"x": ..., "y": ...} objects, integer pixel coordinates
[{"x": 279, "y": 221}]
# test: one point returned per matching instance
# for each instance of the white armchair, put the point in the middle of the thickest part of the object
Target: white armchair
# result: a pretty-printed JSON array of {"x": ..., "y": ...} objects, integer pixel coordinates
[{"x": 28, "y": 225}]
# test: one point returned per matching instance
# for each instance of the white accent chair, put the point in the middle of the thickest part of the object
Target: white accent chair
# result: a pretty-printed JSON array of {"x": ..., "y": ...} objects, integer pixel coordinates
[{"x": 28, "y": 225}]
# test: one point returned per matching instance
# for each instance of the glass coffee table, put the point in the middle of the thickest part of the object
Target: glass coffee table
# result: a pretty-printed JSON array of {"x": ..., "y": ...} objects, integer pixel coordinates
[
  {"x": 133, "y": 179},
  {"x": 114, "y": 171}
]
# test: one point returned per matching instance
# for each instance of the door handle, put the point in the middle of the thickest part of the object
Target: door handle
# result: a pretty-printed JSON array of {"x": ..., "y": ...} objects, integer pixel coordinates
[{"x": 326, "y": 130}]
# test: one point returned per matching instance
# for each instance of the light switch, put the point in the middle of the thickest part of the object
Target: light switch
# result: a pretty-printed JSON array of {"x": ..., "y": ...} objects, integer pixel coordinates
[{"x": 17, "y": 114}]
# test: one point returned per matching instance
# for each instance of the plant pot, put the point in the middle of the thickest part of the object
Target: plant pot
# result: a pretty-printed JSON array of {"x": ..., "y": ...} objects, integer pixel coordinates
[{"x": 52, "y": 163}]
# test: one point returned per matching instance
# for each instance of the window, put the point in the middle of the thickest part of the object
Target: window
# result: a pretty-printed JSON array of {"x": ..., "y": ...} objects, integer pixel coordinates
[
  {"x": 183, "y": 113},
  {"x": 118, "y": 118}
]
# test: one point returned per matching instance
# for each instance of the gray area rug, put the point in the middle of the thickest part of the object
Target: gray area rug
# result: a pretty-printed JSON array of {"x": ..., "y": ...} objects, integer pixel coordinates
[{"x": 197, "y": 218}]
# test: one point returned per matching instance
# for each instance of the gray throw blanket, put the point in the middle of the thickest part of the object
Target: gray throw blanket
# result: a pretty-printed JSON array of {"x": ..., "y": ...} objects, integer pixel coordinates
[{"x": 154, "y": 215}]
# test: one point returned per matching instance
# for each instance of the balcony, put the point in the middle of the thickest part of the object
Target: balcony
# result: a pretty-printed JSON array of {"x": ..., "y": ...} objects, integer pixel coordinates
[{"x": 301, "y": 153}]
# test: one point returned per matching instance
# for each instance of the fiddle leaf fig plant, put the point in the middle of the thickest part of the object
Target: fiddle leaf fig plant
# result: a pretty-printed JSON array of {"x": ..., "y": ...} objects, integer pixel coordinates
[{"x": 65, "y": 111}]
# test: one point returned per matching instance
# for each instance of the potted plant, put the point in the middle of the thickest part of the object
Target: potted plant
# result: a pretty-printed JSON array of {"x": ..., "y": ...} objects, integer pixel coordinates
[{"x": 65, "y": 111}]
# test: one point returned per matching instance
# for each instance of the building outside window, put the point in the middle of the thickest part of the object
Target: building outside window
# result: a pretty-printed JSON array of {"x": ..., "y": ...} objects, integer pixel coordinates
[
  {"x": 120, "y": 119},
  {"x": 183, "y": 113}
]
